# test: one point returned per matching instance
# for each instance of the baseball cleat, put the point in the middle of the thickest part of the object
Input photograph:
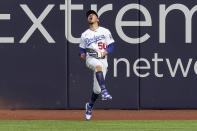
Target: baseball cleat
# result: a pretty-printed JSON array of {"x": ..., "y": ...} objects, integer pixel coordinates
[
  {"x": 105, "y": 95},
  {"x": 88, "y": 113}
]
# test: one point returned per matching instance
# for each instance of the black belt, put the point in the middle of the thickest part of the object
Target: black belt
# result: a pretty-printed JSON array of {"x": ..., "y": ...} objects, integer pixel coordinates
[{"x": 93, "y": 53}]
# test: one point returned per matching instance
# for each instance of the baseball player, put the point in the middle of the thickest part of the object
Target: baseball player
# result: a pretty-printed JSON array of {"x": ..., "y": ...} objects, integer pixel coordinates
[{"x": 96, "y": 43}]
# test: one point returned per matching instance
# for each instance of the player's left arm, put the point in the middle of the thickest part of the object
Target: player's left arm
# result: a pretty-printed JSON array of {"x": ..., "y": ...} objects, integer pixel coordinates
[
  {"x": 110, "y": 43},
  {"x": 109, "y": 49}
]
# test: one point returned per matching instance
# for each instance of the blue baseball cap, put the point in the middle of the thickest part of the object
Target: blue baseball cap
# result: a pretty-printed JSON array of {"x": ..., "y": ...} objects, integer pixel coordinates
[{"x": 91, "y": 12}]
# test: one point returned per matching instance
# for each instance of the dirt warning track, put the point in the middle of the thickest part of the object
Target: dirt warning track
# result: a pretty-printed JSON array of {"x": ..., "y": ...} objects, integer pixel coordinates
[{"x": 98, "y": 115}]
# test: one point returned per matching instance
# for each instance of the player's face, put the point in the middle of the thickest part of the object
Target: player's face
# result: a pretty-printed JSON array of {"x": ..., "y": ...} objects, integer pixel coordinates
[{"x": 92, "y": 18}]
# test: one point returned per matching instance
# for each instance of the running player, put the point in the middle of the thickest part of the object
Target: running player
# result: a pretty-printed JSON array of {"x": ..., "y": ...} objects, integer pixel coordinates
[{"x": 96, "y": 43}]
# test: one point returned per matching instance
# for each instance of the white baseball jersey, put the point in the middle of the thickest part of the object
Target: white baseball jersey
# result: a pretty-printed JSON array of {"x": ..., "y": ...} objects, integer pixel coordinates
[{"x": 97, "y": 40}]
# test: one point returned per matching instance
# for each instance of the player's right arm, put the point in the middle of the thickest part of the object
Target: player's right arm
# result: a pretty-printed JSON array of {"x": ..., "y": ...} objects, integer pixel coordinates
[
  {"x": 82, "y": 53},
  {"x": 82, "y": 48}
]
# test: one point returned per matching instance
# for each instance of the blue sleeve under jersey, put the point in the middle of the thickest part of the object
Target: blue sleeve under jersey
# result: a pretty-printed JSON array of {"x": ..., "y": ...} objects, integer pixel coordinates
[
  {"x": 110, "y": 48},
  {"x": 82, "y": 51}
]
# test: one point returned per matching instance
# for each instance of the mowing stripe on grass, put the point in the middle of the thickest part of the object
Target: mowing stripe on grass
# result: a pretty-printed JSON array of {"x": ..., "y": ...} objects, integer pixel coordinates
[{"x": 98, "y": 125}]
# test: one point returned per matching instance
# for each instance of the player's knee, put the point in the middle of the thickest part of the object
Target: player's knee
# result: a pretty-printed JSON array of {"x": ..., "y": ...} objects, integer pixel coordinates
[
  {"x": 97, "y": 91},
  {"x": 99, "y": 68}
]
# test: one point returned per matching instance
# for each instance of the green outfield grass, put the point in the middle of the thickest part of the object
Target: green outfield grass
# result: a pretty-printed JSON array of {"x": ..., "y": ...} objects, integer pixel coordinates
[{"x": 112, "y": 125}]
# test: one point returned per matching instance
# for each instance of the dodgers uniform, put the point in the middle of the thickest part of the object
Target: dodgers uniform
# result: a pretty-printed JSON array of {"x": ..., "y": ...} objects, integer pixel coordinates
[{"x": 98, "y": 40}]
